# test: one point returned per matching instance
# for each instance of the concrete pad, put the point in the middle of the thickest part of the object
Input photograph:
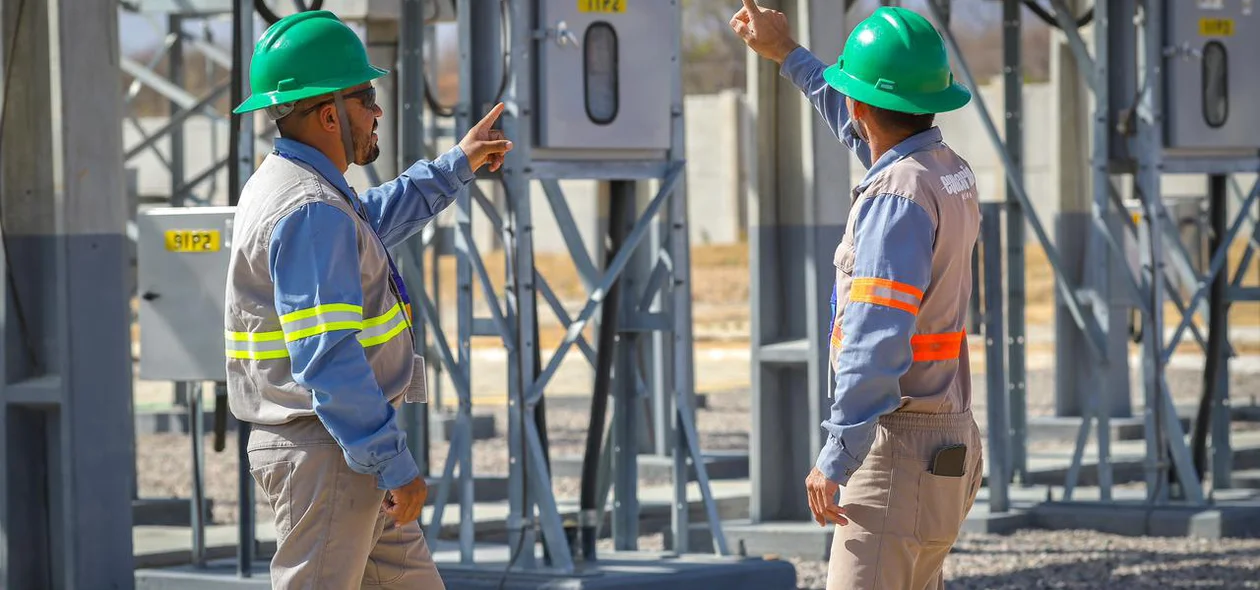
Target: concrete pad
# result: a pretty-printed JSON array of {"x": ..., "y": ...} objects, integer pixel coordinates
[
  {"x": 802, "y": 540},
  {"x": 167, "y": 511},
  {"x": 718, "y": 465},
  {"x": 1066, "y": 428},
  {"x": 1241, "y": 520},
  {"x": 614, "y": 571},
  {"x": 981, "y": 521},
  {"x": 443, "y": 425}
]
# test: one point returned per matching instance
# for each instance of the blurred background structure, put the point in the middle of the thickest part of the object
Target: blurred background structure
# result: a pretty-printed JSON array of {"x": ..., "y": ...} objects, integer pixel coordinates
[{"x": 625, "y": 328}]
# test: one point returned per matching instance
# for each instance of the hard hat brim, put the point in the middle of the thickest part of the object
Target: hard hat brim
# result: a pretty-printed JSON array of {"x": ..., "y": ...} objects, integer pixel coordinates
[
  {"x": 263, "y": 100},
  {"x": 953, "y": 97}
]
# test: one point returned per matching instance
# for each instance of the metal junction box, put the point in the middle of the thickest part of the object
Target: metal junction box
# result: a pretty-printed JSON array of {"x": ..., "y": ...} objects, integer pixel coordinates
[
  {"x": 183, "y": 258},
  {"x": 1211, "y": 52},
  {"x": 606, "y": 73}
]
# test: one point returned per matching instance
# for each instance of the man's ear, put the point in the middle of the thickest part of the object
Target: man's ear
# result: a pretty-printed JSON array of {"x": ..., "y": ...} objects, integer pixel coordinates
[{"x": 328, "y": 118}]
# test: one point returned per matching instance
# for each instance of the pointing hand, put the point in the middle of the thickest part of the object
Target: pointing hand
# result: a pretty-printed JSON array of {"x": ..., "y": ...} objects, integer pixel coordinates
[
  {"x": 764, "y": 31},
  {"x": 485, "y": 145}
]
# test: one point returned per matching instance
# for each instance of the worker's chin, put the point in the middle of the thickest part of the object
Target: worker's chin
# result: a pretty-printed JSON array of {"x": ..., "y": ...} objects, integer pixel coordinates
[{"x": 370, "y": 156}]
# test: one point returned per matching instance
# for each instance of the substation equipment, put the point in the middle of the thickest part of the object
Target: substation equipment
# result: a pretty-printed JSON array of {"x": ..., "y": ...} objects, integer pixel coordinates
[{"x": 593, "y": 91}]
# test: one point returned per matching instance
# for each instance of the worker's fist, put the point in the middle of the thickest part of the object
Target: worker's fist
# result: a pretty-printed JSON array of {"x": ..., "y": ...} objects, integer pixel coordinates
[
  {"x": 404, "y": 504},
  {"x": 764, "y": 31},
  {"x": 485, "y": 145}
]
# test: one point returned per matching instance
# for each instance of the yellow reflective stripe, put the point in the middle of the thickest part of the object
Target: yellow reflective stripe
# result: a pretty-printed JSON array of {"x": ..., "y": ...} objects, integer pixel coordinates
[
  {"x": 321, "y": 319},
  {"x": 383, "y": 318},
  {"x": 257, "y": 356},
  {"x": 322, "y": 328},
  {"x": 255, "y": 345},
  {"x": 311, "y": 312},
  {"x": 254, "y": 336},
  {"x": 389, "y": 325}
]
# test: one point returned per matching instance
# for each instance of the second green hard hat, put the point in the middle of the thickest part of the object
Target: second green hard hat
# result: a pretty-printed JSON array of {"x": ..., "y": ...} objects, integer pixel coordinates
[
  {"x": 896, "y": 60},
  {"x": 305, "y": 55}
]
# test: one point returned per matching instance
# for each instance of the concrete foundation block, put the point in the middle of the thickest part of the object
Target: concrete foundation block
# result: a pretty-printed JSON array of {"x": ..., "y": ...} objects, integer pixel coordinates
[
  {"x": 443, "y": 426},
  {"x": 718, "y": 465},
  {"x": 1210, "y": 522},
  {"x": 167, "y": 511},
  {"x": 997, "y": 523}
]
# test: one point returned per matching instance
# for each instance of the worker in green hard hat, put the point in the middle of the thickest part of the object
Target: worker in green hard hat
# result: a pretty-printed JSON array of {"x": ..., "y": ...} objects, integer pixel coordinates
[
  {"x": 319, "y": 342},
  {"x": 902, "y": 449}
]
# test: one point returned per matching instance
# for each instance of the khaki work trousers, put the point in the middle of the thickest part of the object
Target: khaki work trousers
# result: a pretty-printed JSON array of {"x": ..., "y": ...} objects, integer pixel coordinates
[
  {"x": 903, "y": 520},
  {"x": 330, "y": 527}
]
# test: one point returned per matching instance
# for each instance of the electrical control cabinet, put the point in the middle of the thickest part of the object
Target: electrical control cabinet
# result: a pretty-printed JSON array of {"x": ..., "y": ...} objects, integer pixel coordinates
[
  {"x": 606, "y": 70},
  {"x": 182, "y": 254},
  {"x": 1211, "y": 77}
]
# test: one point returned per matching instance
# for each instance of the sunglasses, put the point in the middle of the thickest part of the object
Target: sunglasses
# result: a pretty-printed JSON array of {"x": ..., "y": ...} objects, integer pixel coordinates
[{"x": 367, "y": 96}]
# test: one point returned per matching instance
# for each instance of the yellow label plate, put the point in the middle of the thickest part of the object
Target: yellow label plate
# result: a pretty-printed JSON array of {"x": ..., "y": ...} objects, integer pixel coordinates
[
  {"x": 1216, "y": 27},
  {"x": 193, "y": 240},
  {"x": 617, "y": 6}
]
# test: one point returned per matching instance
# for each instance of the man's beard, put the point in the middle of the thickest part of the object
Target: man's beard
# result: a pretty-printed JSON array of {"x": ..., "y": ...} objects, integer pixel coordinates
[{"x": 366, "y": 151}]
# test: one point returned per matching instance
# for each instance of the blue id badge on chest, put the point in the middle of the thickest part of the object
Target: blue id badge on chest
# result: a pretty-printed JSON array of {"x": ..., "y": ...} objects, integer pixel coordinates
[{"x": 418, "y": 389}]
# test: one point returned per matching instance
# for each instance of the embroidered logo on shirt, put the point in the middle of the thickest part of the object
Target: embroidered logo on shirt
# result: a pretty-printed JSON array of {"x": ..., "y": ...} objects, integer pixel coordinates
[{"x": 959, "y": 182}]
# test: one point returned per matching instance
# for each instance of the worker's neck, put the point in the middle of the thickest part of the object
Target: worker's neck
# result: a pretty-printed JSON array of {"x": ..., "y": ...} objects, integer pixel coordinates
[
  {"x": 882, "y": 141},
  {"x": 329, "y": 146}
]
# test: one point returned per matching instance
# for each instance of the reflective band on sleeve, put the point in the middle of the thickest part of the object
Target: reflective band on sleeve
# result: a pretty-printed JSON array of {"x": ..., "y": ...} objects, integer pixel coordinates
[
  {"x": 887, "y": 293},
  {"x": 926, "y": 347},
  {"x": 321, "y": 319},
  {"x": 937, "y": 347},
  {"x": 383, "y": 328},
  {"x": 255, "y": 346}
]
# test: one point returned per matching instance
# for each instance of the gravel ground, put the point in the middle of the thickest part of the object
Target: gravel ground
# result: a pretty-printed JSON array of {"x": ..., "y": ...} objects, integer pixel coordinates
[
  {"x": 1030, "y": 559},
  {"x": 1085, "y": 559}
]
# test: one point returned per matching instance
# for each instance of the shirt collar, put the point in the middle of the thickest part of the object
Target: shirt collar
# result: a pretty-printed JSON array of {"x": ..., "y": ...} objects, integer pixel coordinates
[
  {"x": 909, "y": 145},
  {"x": 296, "y": 150}
]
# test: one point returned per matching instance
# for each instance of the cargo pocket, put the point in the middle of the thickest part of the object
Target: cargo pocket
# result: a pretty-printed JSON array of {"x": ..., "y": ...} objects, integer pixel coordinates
[
  {"x": 941, "y": 507},
  {"x": 275, "y": 479}
]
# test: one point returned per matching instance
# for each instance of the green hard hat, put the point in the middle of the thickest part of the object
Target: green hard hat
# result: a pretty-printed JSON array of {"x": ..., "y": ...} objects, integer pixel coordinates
[
  {"x": 896, "y": 60},
  {"x": 304, "y": 55}
]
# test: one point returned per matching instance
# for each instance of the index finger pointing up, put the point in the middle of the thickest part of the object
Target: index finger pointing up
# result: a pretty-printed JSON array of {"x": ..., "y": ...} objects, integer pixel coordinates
[
  {"x": 751, "y": 7},
  {"x": 488, "y": 121}
]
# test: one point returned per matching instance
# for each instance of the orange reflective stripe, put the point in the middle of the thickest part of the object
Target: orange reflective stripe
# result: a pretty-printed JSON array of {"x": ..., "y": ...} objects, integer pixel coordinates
[
  {"x": 937, "y": 347},
  {"x": 886, "y": 293},
  {"x": 926, "y": 347}
]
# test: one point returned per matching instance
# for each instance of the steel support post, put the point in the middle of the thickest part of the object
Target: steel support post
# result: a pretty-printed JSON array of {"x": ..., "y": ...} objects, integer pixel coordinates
[
  {"x": 797, "y": 213},
  {"x": 1013, "y": 91},
  {"x": 1111, "y": 376},
  {"x": 625, "y": 427},
  {"x": 240, "y": 167},
  {"x": 1164, "y": 431},
  {"x": 1216, "y": 375},
  {"x": 65, "y": 384},
  {"x": 995, "y": 365},
  {"x": 409, "y": 145}
]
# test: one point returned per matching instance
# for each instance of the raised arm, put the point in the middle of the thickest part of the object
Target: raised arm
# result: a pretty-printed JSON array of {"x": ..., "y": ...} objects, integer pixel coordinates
[
  {"x": 767, "y": 33},
  {"x": 401, "y": 207}
]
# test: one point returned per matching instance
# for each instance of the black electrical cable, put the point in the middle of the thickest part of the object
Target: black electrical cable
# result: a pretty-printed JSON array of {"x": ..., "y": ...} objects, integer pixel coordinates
[
  {"x": 20, "y": 311},
  {"x": 301, "y": 5},
  {"x": 1048, "y": 17}
]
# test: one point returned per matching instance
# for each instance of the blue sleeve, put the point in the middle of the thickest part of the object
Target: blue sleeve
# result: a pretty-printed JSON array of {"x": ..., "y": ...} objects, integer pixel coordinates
[
  {"x": 893, "y": 240},
  {"x": 314, "y": 262},
  {"x": 806, "y": 72},
  {"x": 401, "y": 207}
]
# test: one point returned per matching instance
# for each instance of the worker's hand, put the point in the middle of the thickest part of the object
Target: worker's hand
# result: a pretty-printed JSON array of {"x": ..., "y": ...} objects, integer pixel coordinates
[
  {"x": 404, "y": 504},
  {"x": 822, "y": 499},
  {"x": 764, "y": 31},
  {"x": 485, "y": 145}
]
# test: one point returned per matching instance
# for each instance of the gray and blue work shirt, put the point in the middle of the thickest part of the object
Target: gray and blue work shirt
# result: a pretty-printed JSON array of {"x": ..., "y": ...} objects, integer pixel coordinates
[{"x": 903, "y": 281}]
